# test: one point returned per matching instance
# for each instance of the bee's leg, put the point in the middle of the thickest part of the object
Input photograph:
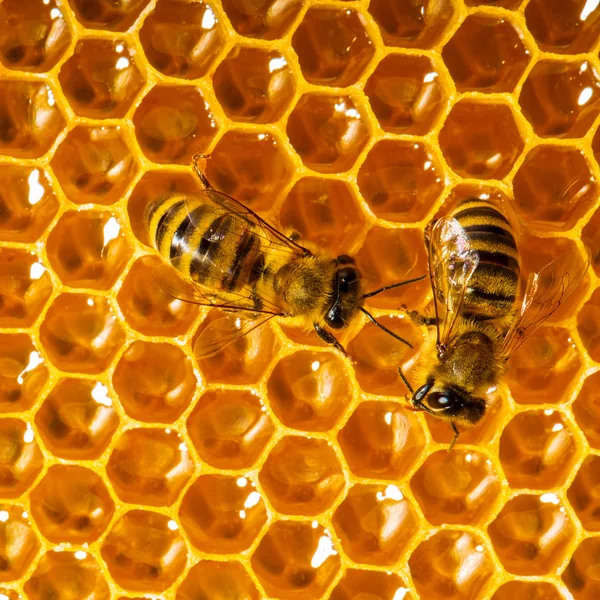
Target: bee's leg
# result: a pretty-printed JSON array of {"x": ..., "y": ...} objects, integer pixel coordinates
[
  {"x": 417, "y": 318},
  {"x": 328, "y": 338},
  {"x": 456, "y": 434},
  {"x": 199, "y": 172}
]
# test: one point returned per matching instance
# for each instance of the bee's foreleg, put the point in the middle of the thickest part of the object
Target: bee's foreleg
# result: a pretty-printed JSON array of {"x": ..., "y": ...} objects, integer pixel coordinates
[
  {"x": 456, "y": 434},
  {"x": 328, "y": 338},
  {"x": 417, "y": 318}
]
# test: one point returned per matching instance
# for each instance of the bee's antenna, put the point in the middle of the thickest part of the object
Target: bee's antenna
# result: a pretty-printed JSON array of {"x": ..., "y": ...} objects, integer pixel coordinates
[
  {"x": 394, "y": 335},
  {"x": 201, "y": 176},
  {"x": 406, "y": 382},
  {"x": 394, "y": 285}
]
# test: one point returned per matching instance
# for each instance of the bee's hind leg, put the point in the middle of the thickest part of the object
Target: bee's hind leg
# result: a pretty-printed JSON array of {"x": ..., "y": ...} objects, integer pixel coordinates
[
  {"x": 417, "y": 318},
  {"x": 329, "y": 338}
]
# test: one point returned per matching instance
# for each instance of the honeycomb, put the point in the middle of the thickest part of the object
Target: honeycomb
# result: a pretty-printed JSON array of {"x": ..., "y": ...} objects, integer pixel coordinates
[{"x": 278, "y": 469}]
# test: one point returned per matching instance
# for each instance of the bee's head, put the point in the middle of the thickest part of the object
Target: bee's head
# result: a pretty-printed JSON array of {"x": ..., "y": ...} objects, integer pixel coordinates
[{"x": 347, "y": 292}]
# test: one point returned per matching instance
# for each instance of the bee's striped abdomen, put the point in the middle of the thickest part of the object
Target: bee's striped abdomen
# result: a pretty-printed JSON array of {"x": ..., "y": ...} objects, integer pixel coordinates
[{"x": 494, "y": 286}]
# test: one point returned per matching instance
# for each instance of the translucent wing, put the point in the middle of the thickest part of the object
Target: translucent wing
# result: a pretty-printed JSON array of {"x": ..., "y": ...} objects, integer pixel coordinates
[
  {"x": 225, "y": 331},
  {"x": 452, "y": 263},
  {"x": 545, "y": 292}
]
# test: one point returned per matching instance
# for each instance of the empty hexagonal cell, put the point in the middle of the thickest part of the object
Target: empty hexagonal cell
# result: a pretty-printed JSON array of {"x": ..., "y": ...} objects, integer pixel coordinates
[
  {"x": 104, "y": 14},
  {"x": 18, "y": 542},
  {"x": 328, "y": 132},
  {"x": 181, "y": 39},
  {"x": 561, "y": 99},
  {"x": 254, "y": 85},
  {"x": 537, "y": 450},
  {"x": 400, "y": 181},
  {"x": 81, "y": 333},
  {"x": 581, "y": 574},
  {"x": 554, "y": 187},
  {"x": 71, "y": 504},
  {"x": 486, "y": 54},
  {"x": 58, "y": 571},
  {"x": 23, "y": 373},
  {"x": 229, "y": 428},
  {"x": 222, "y": 514},
  {"x": 532, "y": 534},
  {"x": 218, "y": 581},
  {"x": 583, "y": 493},
  {"x": 309, "y": 390},
  {"x": 588, "y": 325},
  {"x": 415, "y": 24},
  {"x": 332, "y": 45},
  {"x": 20, "y": 457},
  {"x": 563, "y": 27},
  {"x": 172, "y": 123},
  {"x": 148, "y": 391},
  {"x": 268, "y": 19},
  {"x": 527, "y": 590},
  {"x": 30, "y": 119},
  {"x": 456, "y": 487},
  {"x": 149, "y": 466},
  {"x": 324, "y": 212},
  {"x": 586, "y": 410},
  {"x": 88, "y": 249},
  {"x": 101, "y": 79},
  {"x": 438, "y": 566},
  {"x": 375, "y": 523},
  {"x": 381, "y": 440},
  {"x": 405, "y": 94},
  {"x": 302, "y": 476},
  {"x": 77, "y": 419},
  {"x": 481, "y": 140},
  {"x": 144, "y": 551},
  {"x": 284, "y": 560},
  {"x": 379, "y": 585}
]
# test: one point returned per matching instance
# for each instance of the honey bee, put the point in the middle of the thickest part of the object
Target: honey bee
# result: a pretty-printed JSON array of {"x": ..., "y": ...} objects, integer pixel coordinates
[
  {"x": 219, "y": 253},
  {"x": 474, "y": 276}
]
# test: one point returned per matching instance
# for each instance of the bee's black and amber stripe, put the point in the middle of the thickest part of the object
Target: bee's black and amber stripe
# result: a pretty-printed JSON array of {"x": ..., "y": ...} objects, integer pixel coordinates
[{"x": 494, "y": 286}]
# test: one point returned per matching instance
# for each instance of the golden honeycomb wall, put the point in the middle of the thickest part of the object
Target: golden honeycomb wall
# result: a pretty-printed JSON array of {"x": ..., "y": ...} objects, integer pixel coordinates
[{"x": 278, "y": 469}]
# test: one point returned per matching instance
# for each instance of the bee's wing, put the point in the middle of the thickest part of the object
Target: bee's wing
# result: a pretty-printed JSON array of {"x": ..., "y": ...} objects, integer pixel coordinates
[
  {"x": 225, "y": 331},
  {"x": 545, "y": 292},
  {"x": 452, "y": 263}
]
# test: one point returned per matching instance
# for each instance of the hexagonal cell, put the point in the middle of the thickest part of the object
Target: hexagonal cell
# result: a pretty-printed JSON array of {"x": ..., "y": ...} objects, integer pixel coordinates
[
  {"x": 527, "y": 590},
  {"x": 375, "y": 524},
  {"x": 537, "y": 450},
  {"x": 172, "y": 123},
  {"x": 105, "y": 14},
  {"x": 181, "y": 38},
  {"x": 302, "y": 476},
  {"x": 588, "y": 325},
  {"x": 218, "y": 581},
  {"x": 586, "y": 410},
  {"x": 81, "y": 333},
  {"x": 229, "y": 428},
  {"x": 561, "y": 99},
  {"x": 481, "y": 140},
  {"x": 88, "y": 249},
  {"x": 438, "y": 566},
  {"x": 144, "y": 551},
  {"x": 254, "y": 85},
  {"x": 71, "y": 504},
  {"x": 378, "y": 585},
  {"x": 458, "y": 487},
  {"x": 149, "y": 466},
  {"x": 583, "y": 493},
  {"x": 222, "y": 514},
  {"x": 30, "y": 119},
  {"x": 378, "y": 355},
  {"x": 284, "y": 560},
  {"x": 406, "y": 94},
  {"x": 101, "y": 79},
  {"x": 268, "y": 19},
  {"x": 554, "y": 187},
  {"x": 486, "y": 54},
  {"x": 332, "y": 45},
  {"x": 581, "y": 574},
  {"x": 400, "y": 180},
  {"x": 77, "y": 419},
  {"x": 563, "y": 27},
  {"x": 532, "y": 534},
  {"x": 381, "y": 440},
  {"x": 18, "y": 542},
  {"x": 415, "y": 24},
  {"x": 328, "y": 132},
  {"x": 148, "y": 391},
  {"x": 309, "y": 390},
  {"x": 23, "y": 373}
]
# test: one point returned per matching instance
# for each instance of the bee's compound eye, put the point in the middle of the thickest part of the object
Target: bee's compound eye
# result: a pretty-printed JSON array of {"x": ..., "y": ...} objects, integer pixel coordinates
[
  {"x": 344, "y": 259},
  {"x": 441, "y": 401}
]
